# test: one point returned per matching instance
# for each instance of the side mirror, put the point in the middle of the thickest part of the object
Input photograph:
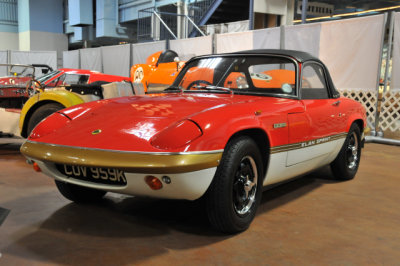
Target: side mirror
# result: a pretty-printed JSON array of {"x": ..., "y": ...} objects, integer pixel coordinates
[{"x": 176, "y": 60}]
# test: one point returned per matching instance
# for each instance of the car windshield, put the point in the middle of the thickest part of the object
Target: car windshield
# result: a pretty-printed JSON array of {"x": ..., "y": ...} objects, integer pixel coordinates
[
  {"x": 48, "y": 76},
  {"x": 239, "y": 74},
  {"x": 22, "y": 71}
]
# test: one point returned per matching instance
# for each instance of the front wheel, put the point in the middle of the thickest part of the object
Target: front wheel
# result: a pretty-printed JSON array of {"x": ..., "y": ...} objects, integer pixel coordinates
[
  {"x": 235, "y": 192},
  {"x": 345, "y": 166},
  {"x": 41, "y": 113},
  {"x": 79, "y": 194}
]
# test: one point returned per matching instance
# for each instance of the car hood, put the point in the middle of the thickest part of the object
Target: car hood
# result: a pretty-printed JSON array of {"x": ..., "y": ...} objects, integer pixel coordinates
[{"x": 129, "y": 123}]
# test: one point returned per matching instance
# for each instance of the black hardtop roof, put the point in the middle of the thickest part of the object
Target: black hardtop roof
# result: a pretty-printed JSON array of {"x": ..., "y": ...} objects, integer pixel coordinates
[{"x": 298, "y": 55}]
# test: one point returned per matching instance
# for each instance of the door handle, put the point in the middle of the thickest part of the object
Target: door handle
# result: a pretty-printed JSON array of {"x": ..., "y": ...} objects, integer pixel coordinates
[{"x": 336, "y": 103}]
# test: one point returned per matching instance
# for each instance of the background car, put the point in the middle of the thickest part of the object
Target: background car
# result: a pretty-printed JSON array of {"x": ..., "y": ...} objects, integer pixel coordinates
[
  {"x": 159, "y": 71},
  {"x": 199, "y": 138},
  {"x": 25, "y": 100},
  {"x": 64, "y": 88},
  {"x": 13, "y": 92}
]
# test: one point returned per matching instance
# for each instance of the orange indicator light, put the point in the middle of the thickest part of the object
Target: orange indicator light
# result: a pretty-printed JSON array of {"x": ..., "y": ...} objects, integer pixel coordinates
[
  {"x": 36, "y": 167},
  {"x": 153, "y": 182}
]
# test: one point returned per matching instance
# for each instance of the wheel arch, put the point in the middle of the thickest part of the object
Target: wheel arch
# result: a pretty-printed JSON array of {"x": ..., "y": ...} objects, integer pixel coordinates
[
  {"x": 359, "y": 123},
  {"x": 65, "y": 98},
  {"x": 261, "y": 138},
  {"x": 30, "y": 112}
]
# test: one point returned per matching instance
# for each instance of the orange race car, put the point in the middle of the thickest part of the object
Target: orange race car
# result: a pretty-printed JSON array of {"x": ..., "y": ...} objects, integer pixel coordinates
[
  {"x": 162, "y": 68},
  {"x": 159, "y": 72}
]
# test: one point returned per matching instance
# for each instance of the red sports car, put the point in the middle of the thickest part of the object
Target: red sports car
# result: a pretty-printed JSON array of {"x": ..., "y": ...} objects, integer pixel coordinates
[
  {"x": 257, "y": 118},
  {"x": 16, "y": 88}
]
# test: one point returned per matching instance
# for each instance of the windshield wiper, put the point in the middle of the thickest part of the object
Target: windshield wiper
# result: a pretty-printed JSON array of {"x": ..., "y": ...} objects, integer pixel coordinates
[
  {"x": 213, "y": 87},
  {"x": 174, "y": 88}
]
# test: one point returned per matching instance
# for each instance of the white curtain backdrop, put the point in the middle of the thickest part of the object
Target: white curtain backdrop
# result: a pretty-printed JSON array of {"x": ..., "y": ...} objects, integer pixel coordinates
[
  {"x": 351, "y": 49},
  {"x": 395, "y": 78},
  {"x": 238, "y": 26},
  {"x": 71, "y": 59},
  {"x": 34, "y": 57},
  {"x": 141, "y": 51},
  {"x": 304, "y": 38},
  {"x": 91, "y": 59},
  {"x": 116, "y": 59},
  {"x": 267, "y": 38},
  {"x": 233, "y": 42},
  {"x": 187, "y": 48},
  {"x": 3, "y": 60}
]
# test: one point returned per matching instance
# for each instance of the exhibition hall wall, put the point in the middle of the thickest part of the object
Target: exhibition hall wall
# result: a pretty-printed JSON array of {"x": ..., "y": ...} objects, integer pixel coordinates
[
  {"x": 350, "y": 48},
  {"x": 26, "y": 58}
]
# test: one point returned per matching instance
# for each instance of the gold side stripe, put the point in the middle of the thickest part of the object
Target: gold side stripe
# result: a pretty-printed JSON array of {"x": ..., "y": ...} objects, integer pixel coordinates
[
  {"x": 129, "y": 162},
  {"x": 304, "y": 144}
]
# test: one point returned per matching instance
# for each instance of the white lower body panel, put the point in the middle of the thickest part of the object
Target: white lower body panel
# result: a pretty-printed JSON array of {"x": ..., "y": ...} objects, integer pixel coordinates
[
  {"x": 289, "y": 164},
  {"x": 189, "y": 186}
]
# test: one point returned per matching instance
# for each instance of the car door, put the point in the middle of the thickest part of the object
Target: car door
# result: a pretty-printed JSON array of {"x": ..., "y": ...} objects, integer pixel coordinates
[{"x": 313, "y": 130}]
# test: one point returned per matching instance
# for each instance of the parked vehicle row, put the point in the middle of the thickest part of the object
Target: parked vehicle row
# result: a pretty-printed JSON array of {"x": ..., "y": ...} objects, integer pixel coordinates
[{"x": 36, "y": 98}]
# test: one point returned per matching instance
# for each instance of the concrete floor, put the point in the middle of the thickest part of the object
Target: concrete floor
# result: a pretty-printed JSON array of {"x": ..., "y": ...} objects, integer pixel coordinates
[{"x": 311, "y": 221}]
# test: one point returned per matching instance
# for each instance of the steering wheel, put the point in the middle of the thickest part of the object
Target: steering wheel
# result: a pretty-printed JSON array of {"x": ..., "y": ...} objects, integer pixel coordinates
[
  {"x": 198, "y": 82},
  {"x": 33, "y": 86}
]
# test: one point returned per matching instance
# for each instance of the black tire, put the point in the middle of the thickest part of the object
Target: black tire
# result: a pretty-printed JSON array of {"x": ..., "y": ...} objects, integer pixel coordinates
[
  {"x": 345, "y": 166},
  {"x": 41, "y": 113},
  {"x": 230, "y": 208},
  {"x": 79, "y": 194}
]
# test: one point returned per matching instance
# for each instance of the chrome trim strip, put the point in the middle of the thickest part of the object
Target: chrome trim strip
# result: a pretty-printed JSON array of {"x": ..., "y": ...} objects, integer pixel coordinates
[
  {"x": 304, "y": 144},
  {"x": 129, "y": 152}
]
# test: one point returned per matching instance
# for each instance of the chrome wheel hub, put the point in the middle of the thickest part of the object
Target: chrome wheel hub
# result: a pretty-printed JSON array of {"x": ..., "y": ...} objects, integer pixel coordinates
[
  {"x": 352, "y": 151},
  {"x": 245, "y": 186}
]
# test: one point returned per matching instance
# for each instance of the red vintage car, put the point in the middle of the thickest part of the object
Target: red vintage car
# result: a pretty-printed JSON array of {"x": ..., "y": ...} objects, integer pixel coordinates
[
  {"x": 22, "y": 83},
  {"x": 13, "y": 93},
  {"x": 202, "y": 138}
]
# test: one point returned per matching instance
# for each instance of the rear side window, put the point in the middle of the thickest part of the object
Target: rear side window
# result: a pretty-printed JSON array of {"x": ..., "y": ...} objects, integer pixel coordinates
[{"x": 313, "y": 82}]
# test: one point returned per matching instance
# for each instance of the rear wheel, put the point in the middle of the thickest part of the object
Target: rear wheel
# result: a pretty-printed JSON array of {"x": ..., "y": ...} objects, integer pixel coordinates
[
  {"x": 41, "y": 113},
  {"x": 235, "y": 192},
  {"x": 79, "y": 194},
  {"x": 345, "y": 166}
]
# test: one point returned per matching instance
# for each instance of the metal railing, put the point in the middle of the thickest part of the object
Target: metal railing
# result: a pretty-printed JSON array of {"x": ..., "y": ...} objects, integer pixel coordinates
[
  {"x": 197, "y": 9},
  {"x": 155, "y": 24}
]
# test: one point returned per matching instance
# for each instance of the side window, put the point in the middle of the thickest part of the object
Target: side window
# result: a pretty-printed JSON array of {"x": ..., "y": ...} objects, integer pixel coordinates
[
  {"x": 313, "y": 83},
  {"x": 76, "y": 79}
]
